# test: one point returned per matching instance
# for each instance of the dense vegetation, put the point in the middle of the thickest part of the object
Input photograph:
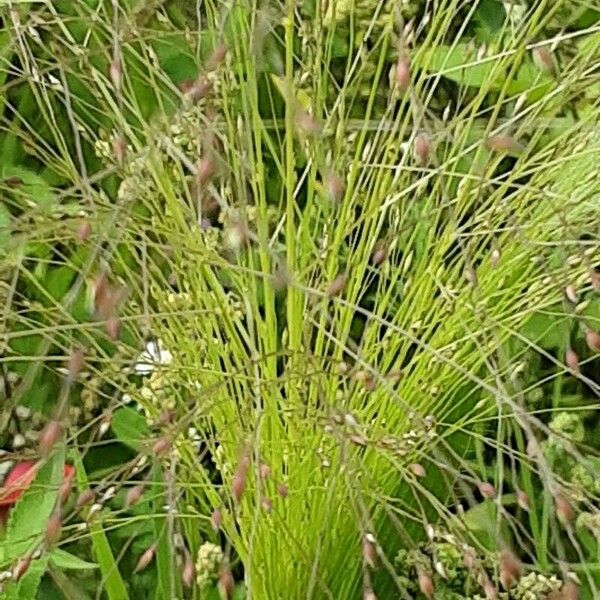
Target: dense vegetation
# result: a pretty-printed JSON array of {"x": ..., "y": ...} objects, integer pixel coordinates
[{"x": 300, "y": 299}]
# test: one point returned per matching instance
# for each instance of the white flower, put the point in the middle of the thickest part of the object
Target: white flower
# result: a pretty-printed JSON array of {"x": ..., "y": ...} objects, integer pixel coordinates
[{"x": 155, "y": 354}]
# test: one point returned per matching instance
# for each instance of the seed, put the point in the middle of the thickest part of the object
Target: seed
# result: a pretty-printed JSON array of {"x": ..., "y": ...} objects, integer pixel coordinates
[
  {"x": 502, "y": 142},
  {"x": 572, "y": 360},
  {"x": 358, "y": 440},
  {"x": 134, "y": 495},
  {"x": 571, "y": 294},
  {"x": 226, "y": 583},
  {"x": 422, "y": 148},
  {"x": 13, "y": 181},
  {"x": 104, "y": 425},
  {"x": 523, "y": 500},
  {"x": 487, "y": 490},
  {"x": 113, "y": 329},
  {"x": 53, "y": 527},
  {"x": 161, "y": 447},
  {"x": 369, "y": 551},
  {"x": 267, "y": 504},
  {"x": 145, "y": 559},
  {"x": 495, "y": 257},
  {"x": 238, "y": 486},
  {"x": 510, "y": 569},
  {"x": 217, "y": 57},
  {"x": 67, "y": 485},
  {"x": 198, "y": 89},
  {"x": 75, "y": 364},
  {"x": 378, "y": 256},
  {"x": 334, "y": 186},
  {"x": 490, "y": 590},
  {"x": 417, "y": 469},
  {"x": 282, "y": 490},
  {"x": 570, "y": 590},
  {"x": 402, "y": 74},
  {"x": 188, "y": 572},
  {"x": 205, "y": 168},
  {"x": 21, "y": 567},
  {"x": 469, "y": 559},
  {"x": 84, "y": 232},
  {"x": 84, "y": 498},
  {"x": 165, "y": 418},
  {"x": 120, "y": 149},
  {"x": 216, "y": 519},
  {"x": 592, "y": 339},
  {"x": 115, "y": 73},
  {"x": 543, "y": 59},
  {"x": 564, "y": 509},
  {"x": 48, "y": 438},
  {"x": 265, "y": 471},
  {"x": 337, "y": 285},
  {"x": 426, "y": 585}
]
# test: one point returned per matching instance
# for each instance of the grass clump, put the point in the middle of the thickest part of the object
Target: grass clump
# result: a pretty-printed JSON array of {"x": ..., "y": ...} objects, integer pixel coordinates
[{"x": 359, "y": 243}]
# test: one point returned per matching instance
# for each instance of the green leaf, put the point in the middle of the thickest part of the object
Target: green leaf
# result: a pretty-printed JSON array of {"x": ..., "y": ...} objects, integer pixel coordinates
[
  {"x": 302, "y": 98},
  {"x": 4, "y": 228},
  {"x": 34, "y": 189},
  {"x": 489, "y": 16},
  {"x": 547, "y": 330},
  {"x": 28, "y": 586},
  {"x": 130, "y": 427},
  {"x": 65, "y": 560}
]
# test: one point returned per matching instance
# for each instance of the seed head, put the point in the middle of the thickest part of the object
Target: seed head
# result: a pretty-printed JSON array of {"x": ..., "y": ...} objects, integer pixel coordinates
[
  {"x": 564, "y": 509},
  {"x": 523, "y": 500},
  {"x": 188, "y": 572},
  {"x": 216, "y": 519},
  {"x": 426, "y": 585},
  {"x": 21, "y": 567},
  {"x": 369, "y": 551},
  {"x": 86, "y": 497},
  {"x": 417, "y": 469},
  {"x": 282, "y": 490},
  {"x": 53, "y": 527},
  {"x": 49, "y": 437},
  {"x": 543, "y": 59},
  {"x": 267, "y": 504},
  {"x": 571, "y": 294},
  {"x": 226, "y": 583},
  {"x": 487, "y": 490},
  {"x": 217, "y": 57},
  {"x": 572, "y": 360},
  {"x": 115, "y": 74},
  {"x": 76, "y": 359},
  {"x": 592, "y": 339},
  {"x": 337, "y": 285},
  {"x": 570, "y": 590},
  {"x": 422, "y": 148},
  {"x": 402, "y": 74},
  {"x": 205, "y": 169},
  {"x": 490, "y": 591},
  {"x": 379, "y": 255},
  {"x": 84, "y": 231},
  {"x": 120, "y": 149},
  {"x": 134, "y": 495},
  {"x": 113, "y": 329},
  {"x": 265, "y": 471},
  {"x": 334, "y": 186},
  {"x": 238, "y": 486},
  {"x": 510, "y": 569},
  {"x": 161, "y": 447},
  {"x": 145, "y": 559},
  {"x": 502, "y": 142},
  {"x": 64, "y": 491}
]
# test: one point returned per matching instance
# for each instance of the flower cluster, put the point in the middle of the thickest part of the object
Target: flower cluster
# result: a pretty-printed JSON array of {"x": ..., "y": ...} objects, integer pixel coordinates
[{"x": 208, "y": 562}]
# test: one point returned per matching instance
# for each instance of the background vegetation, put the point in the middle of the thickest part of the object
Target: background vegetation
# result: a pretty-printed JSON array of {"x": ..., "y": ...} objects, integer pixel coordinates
[{"x": 300, "y": 299}]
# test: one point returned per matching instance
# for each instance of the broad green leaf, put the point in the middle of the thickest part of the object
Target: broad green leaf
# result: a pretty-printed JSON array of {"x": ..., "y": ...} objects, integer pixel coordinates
[
  {"x": 27, "y": 588},
  {"x": 34, "y": 189},
  {"x": 65, "y": 560},
  {"x": 4, "y": 228},
  {"x": 130, "y": 427},
  {"x": 489, "y": 16},
  {"x": 547, "y": 330},
  {"x": 302, "y": 98}
]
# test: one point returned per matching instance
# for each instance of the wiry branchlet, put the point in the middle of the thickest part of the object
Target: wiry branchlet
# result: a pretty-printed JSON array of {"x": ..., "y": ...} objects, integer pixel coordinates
[
  {"x": 379, "y": 255},
  {"x": 369, "y": 550},
  {"x": 86, "y": 497},
  {"x": 205, "y": 168},
  {"x": 334, "y": 186},
  {"x": 75, "y": 363},
  {"x": 83, "y": 232},
  {"x": 337, "y": 285},
  {"x": 53, "y": 527},
  {"x": 21, "y": 567},
  {"x": 402, "y": 75},
  {"x": 115, "y": 73},
  {"x": 510, "y": 569},
  {"x": 592, "y": 339},
  {"x": 216, "y": 519},
  {"x": 523, "y": 500},
  {"x": 426, "y": 585},
  {"x": 283, "y": 490},
  {"x": 120, "y": 149},
  {"x": 226, "y": 583},
  {"x": 564, "y": 509},
  {"x": 543, "y": 59},
  {"x": 369, "y": 594},
  {"x": 571, "y": 294},
  {"x": 216, "y": 57},
  {"x": 134, "y": 495},
  {"x": 487, "y": 490},
  {"x": 145, "y": 559},
  {"x": 264, "y": 471},
  {"x": 49, "y": 436},
  {"x": 238, "y": 486},
  {"x": 266, "y": 504},
  {"x": 417, "y": 469},
  {"x": 188, "y": 572},
  {"x": 502, "y": 142},
  {"x": 161, "y": 447},
  {"x": 422, "y": 148},
  {"x": 572, "y": 360}
]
